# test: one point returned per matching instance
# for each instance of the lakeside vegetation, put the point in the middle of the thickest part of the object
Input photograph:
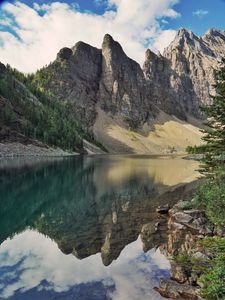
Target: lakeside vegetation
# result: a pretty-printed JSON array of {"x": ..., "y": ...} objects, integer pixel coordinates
[{"x": 211, "y": 195}]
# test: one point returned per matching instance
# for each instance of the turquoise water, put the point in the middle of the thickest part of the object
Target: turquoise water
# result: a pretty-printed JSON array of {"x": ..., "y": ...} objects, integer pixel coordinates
[{"x": 71, "y": 228}]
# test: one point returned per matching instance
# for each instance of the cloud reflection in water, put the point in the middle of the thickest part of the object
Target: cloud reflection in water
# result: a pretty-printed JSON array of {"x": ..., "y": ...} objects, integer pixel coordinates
[{"x": 31, "y": 265}]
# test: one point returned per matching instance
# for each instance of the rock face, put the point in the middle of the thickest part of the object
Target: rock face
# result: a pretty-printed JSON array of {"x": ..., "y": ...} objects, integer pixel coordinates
[
  {"x": 174, "y": 290},
  {"x": 74, "y": 77},
  {"x": 182, "y": 78},
  {"x": 193, "y": 62},
  {"x": 122, "y": 84},
  {"x": 158, "y": 74},
  {"x": 177, "y": 82}
]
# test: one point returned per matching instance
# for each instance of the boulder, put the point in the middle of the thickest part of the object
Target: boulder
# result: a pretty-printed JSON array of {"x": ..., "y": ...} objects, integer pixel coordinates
[
  {"x": 174, "y": 290},
  {"x": 182, "y": 218},
  {"x": 200, "y": 256},
  {"x": 163, "y": 209}
]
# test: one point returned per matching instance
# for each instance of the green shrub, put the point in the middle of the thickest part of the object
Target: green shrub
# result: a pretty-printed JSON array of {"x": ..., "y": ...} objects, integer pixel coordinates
[
  {"x": 196, "y": 149},
  {"x": 182, "y": 259},
  {"x": 211, "y": 197},
  {"x": 215, "y": 245},
  {"x": 214, "y": 280}
]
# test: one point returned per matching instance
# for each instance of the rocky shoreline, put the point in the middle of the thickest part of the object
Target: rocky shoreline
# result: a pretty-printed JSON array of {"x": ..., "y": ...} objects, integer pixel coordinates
[
  {"x": 185, "y": 228},
  {"x": 38, "y": 149},
  {"x": 16, "y": 149}
]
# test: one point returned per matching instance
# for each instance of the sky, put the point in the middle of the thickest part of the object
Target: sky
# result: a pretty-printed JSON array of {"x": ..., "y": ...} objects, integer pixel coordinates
[{"x": 32, "y": 32}]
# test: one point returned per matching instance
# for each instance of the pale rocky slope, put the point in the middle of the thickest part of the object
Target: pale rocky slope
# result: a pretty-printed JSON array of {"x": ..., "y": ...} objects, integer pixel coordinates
[{"x": 168, "y": 135}]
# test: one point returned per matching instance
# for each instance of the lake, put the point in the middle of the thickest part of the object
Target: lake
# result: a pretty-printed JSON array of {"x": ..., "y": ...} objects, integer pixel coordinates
[{"x": 73, "y": 228}]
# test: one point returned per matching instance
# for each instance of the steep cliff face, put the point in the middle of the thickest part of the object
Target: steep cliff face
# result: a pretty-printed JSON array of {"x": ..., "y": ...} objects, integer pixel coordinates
[
  {"x": 158, "y": 75},
  {"x": 122, "y": 86},
  {"x": 193, "y": 62},
  {"x": 74, "y": 77}
]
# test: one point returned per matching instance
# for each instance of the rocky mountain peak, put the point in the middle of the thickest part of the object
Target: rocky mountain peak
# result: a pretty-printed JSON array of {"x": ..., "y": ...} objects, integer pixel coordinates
[
  {"x": 82, "y": 47},
  {"x": 182, "y": 31},
  {"x": 212, "y": 32},
  {"x": 153, "y": 66},
  {"x": 107, "y": 40},
  {"x": 64, "y": 53},
  {"x": 150, "y": 55},
  {"x": 2, "y": 68},
  {"x": 112, "y": 49},
  {"x": 214, "y": 39},
  {"x": 184, "y": 39}
]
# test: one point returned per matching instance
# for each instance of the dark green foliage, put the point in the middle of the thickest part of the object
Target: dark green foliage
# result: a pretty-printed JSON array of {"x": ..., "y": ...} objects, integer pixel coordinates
[
  {"x": 215, "y": 245},
  {"x": 45, "y": 119},
  {"x": 211, "y": 197},
  {"x": 196, "y": 149},
  {"x": 214, "y": 149},
  {"x": 211, "y": 268},
  {"x": 43, "y": 77},
  {"x": 52, "y": 122},
  {"x": 182, "y": 259},
  {"x": 213, "y": 278},
  {"x": 7, "y": 115}
]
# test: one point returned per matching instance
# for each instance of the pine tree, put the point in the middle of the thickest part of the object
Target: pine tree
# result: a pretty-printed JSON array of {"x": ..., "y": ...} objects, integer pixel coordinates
[{"x": 214, "y": 149}]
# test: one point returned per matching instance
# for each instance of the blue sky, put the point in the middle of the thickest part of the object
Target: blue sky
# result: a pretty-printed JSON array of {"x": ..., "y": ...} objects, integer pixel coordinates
[
  {"x": 213, "y": 18},
  {"x": 27, "y": 27}
]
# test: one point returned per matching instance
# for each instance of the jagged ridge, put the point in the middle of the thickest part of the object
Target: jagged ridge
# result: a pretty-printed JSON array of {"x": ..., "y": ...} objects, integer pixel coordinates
[{"x": 178, "y": 82}]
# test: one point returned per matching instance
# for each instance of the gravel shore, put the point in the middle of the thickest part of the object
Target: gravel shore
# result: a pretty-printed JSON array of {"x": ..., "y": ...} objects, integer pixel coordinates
[{"x": 17, "y": 149}]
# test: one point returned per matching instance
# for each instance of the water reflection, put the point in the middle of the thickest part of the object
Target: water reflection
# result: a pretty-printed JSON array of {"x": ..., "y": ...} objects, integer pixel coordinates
[
  {"x": 91, "y": 208},
  {"x": 36, "y": 266}
]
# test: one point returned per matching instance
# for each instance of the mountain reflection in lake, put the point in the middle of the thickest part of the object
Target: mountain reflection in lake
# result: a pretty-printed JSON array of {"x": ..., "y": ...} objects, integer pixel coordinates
[{"x": 73, "y": 228}]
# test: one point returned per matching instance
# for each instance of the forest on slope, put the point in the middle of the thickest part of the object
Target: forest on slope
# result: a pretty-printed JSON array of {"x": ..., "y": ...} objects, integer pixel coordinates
[{"x": 29, "y": 113}]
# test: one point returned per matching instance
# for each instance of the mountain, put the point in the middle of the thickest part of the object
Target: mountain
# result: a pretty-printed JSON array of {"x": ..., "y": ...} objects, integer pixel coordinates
[{"x": 129, "y": 109}]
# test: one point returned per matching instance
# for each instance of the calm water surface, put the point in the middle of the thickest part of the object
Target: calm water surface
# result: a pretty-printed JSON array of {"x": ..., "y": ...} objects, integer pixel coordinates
[{"x": 72, "y": 228}]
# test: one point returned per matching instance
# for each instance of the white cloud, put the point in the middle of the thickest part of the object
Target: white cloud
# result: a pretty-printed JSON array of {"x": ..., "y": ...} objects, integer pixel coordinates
[
  {"x": 39, "y": 37},
  {"x": 163, "y": 40},
  {"x": 200, "y": 13}
]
